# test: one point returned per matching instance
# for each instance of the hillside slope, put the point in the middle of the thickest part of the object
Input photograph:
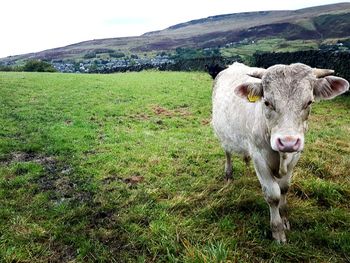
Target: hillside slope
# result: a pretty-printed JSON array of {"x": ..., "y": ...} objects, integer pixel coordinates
[{"x": 329, "y": 21}]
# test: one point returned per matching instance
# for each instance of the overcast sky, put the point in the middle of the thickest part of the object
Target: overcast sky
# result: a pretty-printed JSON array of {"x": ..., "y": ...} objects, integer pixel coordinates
[{"x": 34, "y": 25}]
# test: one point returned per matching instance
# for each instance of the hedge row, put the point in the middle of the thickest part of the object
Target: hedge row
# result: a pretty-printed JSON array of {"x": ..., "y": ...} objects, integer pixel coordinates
[{"x": 337, "y": 60}]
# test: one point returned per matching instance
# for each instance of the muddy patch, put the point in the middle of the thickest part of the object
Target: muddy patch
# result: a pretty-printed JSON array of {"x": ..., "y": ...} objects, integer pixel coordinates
[
  {"x": 68, "y": 122},
  {"x": 62, "y": 253},
  {"x": 57, "y": 178},
  {"x": 205, "y": 122},
  {"x": 131, "y": 181},
  {"x": 140, "y": 117},
  {"x": 134, "y": 180},
  {"x": 178, "y": 112},
  {"x": 63, "y": 188},
  {"x": 47, "y": 161}
]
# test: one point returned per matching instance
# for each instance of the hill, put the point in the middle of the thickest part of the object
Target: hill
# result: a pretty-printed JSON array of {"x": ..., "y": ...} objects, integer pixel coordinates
[{"x": 314, "y": 23}]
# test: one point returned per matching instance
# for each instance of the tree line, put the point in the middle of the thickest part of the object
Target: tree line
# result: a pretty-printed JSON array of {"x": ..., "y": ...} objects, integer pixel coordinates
[
  {"x": 31, "y": 66},
  {"x": 336, "y": 60}
]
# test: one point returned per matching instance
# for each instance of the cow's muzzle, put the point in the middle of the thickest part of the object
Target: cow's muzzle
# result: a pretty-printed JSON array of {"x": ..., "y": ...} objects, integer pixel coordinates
[{"x": 288, "y": 144}]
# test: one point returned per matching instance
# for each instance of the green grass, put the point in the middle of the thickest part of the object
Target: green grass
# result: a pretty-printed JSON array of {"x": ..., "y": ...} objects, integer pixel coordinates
[
  {"x": 307, "y": 24},
  {"x": 269, "y": 45},
  {"x": 125, "y": 168}
]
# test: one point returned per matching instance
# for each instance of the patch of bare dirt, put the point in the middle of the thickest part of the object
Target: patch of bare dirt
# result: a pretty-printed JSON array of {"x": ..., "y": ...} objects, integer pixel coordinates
[
  {"x": 205, "y": 122},
  {"x": 130, "y": 181},
  {"x": 57, "y": 177},
  {"x": 48, "y": 162},
  {"x": 62, "y": 253},
  {"x": 68, "y": 122},
  {"x": 134, "y": 180},
  {"x": 181, "y": 111},
  {"x": 140, "y": 116}
]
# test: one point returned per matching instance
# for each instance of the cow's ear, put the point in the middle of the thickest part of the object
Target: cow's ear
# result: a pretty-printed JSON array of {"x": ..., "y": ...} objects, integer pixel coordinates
[
  {"x": 329, "y": 87},
  {"x": 250, "y": 91}
]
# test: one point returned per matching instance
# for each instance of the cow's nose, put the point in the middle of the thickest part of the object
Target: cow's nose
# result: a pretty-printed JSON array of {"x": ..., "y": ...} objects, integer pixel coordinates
[{"x": 288, "y": 144}]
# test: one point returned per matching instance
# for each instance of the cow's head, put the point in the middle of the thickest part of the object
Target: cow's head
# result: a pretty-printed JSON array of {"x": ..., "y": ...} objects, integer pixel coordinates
[{"x": 286, "y": 94}]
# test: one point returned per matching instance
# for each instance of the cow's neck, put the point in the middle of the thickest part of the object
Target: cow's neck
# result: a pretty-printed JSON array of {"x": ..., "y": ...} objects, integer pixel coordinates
[{"x": 279, "y": 163}]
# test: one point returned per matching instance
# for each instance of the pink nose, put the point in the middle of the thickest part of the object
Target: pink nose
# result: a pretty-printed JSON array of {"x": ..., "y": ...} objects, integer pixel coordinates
[{"x": 288, "y": 144}]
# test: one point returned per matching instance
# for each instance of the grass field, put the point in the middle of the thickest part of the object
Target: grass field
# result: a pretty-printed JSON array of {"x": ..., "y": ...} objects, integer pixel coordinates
[
  {"x": 246, "y": 51},
  {"x": 125, "y": 168}
]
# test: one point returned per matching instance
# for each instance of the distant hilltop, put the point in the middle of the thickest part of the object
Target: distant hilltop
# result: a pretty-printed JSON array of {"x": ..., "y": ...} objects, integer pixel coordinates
[{"x": 320, "y": 25}]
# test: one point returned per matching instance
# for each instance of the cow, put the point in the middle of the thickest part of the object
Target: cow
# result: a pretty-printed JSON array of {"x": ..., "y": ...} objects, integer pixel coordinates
[
  {"x": 262, "y": 114},
  {"x": 214, "y": 70}
]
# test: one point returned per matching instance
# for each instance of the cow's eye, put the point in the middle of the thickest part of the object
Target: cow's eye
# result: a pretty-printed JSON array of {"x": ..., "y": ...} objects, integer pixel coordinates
[{"x": 269, "y": 104}]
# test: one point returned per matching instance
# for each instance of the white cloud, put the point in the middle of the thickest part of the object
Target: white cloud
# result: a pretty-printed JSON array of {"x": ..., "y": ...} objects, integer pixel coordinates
[{"x": 30, "y": 26}]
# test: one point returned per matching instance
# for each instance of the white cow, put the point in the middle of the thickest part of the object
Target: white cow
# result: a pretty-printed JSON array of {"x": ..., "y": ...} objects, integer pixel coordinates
[{"x": 262, "y": 114}]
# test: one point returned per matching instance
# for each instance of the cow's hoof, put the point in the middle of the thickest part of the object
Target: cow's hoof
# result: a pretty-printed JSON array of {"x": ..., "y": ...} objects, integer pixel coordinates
[
  {"x": 280, "y": 237},
  {"x": 228, "y": 176},
  {"x": 278, "y": 233},
  {"x": 228, "y": 179},
  {"x": 286, "y": 223}
]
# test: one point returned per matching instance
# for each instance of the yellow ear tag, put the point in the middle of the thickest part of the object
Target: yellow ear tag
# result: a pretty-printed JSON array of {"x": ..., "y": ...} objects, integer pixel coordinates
[{"x": 253, "y": 98}]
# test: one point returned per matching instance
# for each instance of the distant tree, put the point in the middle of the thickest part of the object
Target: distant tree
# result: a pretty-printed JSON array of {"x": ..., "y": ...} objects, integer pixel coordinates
[
  {"x": 94, "y": 67},
  {"x": 90, "y": 55},
  {"x": 211, "y": 52},
  {"x": 117, "y": 55},
  {"x": 162, "y": 54},
  {"x": 187, "y": 53},
  {"x": 38, "y": 66},
  {"x": 6, "y": 68}
]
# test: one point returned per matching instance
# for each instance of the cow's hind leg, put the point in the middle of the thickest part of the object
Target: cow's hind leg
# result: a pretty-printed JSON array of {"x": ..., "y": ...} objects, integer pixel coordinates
[
  {"x": 246, "y": 159},
  {"x": 228, "y": 166}
]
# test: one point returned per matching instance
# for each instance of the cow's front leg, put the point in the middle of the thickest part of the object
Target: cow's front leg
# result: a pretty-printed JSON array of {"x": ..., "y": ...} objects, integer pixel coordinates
[
  {"x": 283, "y": 208},
  {"x": 287, "y": 163},
  {"x": 284, "y": 183},
  {"x": 272, "y": 194}
]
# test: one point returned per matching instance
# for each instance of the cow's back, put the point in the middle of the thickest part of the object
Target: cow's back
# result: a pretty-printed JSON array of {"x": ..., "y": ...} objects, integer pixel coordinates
[{"x": 233, "y": 117}]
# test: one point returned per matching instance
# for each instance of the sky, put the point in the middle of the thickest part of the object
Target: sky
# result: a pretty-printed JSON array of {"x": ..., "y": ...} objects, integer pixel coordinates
[{"x": 35, "y": 25}]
